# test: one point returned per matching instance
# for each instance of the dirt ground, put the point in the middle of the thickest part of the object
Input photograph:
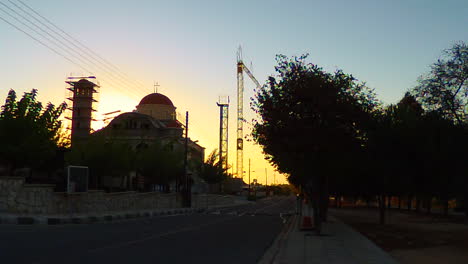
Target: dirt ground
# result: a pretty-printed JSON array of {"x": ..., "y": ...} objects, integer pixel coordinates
[{"x": 412, "y": 237}]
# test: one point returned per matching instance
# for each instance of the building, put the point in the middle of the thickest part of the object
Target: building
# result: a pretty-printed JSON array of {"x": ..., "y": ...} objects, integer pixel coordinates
[
  {"x": 153, "y": 121},
  {"x": 82, "y": 98}
]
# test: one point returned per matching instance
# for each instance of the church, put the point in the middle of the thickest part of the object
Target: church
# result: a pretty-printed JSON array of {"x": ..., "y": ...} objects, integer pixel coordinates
[{"x": 153, "y": 121}]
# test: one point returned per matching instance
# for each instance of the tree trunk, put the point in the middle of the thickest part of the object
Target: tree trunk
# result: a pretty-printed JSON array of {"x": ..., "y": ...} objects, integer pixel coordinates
[
  {"x": 317, "y": 217},
  {"x": 324, "y": 199},
  {"x": 409, "y": 202},
  {"x": 382, "y": 209},
  {"x": 324, "y": 208},
  {"x": 429, "y": 204},
  {"x": 418, "y": 204},
  {"x": 446, "y": 206},
  {"x": 465, "y": 203}
]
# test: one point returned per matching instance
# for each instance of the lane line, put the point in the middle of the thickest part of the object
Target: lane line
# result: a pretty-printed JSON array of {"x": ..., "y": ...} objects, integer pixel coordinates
[{"x": 136, "y": 241}]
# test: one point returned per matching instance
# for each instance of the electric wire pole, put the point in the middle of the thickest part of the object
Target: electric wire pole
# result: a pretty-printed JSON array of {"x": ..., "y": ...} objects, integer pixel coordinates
[
  {"x": 249, "y": 180},
  {"x": 187, "y": 189}
]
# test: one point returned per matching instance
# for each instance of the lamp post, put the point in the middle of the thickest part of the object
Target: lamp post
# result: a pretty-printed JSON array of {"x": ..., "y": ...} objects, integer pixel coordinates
[
  {"x": 188, "y": 192},
  {"x": 255, "y": 188}
]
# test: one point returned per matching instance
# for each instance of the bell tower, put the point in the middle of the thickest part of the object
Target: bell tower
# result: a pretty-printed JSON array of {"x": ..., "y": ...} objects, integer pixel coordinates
[{"x": 82, "y": 92}]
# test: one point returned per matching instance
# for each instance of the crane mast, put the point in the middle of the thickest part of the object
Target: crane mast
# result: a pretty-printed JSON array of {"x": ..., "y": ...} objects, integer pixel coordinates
[
  {"x": 240, "y": 119},
  {"x": 241, "y": 68}
]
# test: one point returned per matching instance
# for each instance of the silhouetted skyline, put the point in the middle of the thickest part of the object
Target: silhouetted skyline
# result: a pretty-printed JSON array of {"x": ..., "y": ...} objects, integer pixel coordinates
[{"x": 189, "y": 48}]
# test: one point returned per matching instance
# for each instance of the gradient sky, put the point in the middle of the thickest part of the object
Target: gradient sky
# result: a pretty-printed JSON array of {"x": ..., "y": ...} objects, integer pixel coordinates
[{"x": 189, "y": 48}]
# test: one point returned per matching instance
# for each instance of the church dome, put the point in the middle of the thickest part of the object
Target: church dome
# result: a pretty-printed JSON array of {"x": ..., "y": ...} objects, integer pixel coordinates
[
  {"x": 156, "y": 98},
  {"x": 158, "y": 106}
]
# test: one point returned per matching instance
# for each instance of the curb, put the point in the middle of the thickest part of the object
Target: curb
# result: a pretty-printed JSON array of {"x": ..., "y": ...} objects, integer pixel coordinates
[
  {"x": 91, "y": 219},
  {"x": 273, "y": 252}
]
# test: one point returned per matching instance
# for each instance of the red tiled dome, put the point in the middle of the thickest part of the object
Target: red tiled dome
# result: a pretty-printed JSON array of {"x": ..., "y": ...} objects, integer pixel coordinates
[{"x": 156, "y": 98}]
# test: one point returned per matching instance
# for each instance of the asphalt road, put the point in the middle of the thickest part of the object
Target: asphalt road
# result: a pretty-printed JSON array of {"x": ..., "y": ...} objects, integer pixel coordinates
[{"x": 238, "y": 234}]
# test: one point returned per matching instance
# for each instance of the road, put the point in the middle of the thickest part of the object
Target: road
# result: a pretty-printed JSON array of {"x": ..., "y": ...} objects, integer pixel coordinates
[{"x": 238, "y": 234}]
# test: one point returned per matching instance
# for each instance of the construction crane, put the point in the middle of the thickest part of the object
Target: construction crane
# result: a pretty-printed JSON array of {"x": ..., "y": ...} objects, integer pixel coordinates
[{"x": 241, "y": 68}]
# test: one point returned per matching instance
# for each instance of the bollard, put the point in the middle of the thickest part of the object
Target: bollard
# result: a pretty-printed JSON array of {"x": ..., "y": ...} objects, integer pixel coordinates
[{"x": 306, "y": 223}]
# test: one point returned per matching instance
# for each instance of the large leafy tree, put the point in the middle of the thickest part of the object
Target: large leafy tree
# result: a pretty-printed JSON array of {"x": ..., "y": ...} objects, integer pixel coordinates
[
  {"x": 394, "y": 151},
  {"x": 445, "y": 88},
  {"x": 159, "y": 163},
  {"x": 104, "y": 158},
  {"x": 443, "y": 93},
  {"x": 309, "y": 121},
  {"x": 29, "y": 133}
]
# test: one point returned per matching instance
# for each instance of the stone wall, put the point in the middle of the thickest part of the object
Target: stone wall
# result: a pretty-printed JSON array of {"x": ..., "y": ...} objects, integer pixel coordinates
[
  {"x": 212, "y": 200},
  {"x": 19, "y": 198}
]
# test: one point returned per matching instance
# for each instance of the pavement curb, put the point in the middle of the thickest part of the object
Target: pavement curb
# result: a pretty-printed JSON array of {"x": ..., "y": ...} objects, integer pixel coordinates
[
  {"x": 90, "y": 219},
  {"x": 273, "y": 252}
]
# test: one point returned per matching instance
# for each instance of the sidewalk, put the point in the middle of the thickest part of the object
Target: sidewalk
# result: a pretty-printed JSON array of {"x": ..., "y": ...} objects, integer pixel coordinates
[{"x": 339, "y": 244}]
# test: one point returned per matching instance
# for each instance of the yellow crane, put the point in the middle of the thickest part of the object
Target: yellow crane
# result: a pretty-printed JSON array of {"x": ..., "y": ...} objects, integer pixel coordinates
[{"x": 241, "y": 68}]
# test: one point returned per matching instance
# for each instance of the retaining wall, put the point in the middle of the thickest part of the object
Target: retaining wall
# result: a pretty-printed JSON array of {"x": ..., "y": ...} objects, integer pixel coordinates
[{"x": 19, "y": 198}]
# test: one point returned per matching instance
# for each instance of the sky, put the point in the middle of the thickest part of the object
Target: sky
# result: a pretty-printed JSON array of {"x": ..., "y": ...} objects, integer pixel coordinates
[{"x": 189, "y": 49}]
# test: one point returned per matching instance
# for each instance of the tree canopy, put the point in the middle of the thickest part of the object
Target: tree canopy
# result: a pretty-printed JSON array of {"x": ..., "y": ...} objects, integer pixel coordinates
[
  {"x": 157, "y": 163},
  {"x": 211, "y": 171},
  {"x": 310, "y": 118},
  {"x": 29, "y": 133},
  {"x": 445, "y": 88},
  {"x": 330, "y": 134}
]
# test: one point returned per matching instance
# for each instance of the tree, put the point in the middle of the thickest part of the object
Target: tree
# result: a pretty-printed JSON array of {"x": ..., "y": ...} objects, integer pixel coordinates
[
  {"x": 310, "y": 120},
  {"x": 211, "y": 171},
  {"x": 443, "y": 93},
  {"x": 394, "y": 150},
  {"x": 104, "y": 158},
  {"x": 446, "y": 153},
  {"x": 445, "y": 88},
  {"x": 29, "y": 134},
  {"x": 159, "y": 164}
]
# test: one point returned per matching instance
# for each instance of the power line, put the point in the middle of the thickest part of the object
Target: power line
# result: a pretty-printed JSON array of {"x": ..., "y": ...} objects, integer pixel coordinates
[
  {"x": 51, "y": 48},
  {"x": 74, "y": 40},
  {"x": 79, "y": 56},
  {"x": 45, "y": 45}
]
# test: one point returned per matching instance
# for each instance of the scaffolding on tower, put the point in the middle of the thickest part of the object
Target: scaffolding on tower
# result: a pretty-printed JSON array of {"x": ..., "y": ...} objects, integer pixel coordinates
[{"x": 82, "y": 96}]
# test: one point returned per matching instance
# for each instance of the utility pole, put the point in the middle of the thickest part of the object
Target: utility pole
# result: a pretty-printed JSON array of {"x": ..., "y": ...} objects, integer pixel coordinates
[
  {"x": 249, "y": 179},
  {"x": 266, "y": 182},
  {"x": 187, "y": 190}
]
